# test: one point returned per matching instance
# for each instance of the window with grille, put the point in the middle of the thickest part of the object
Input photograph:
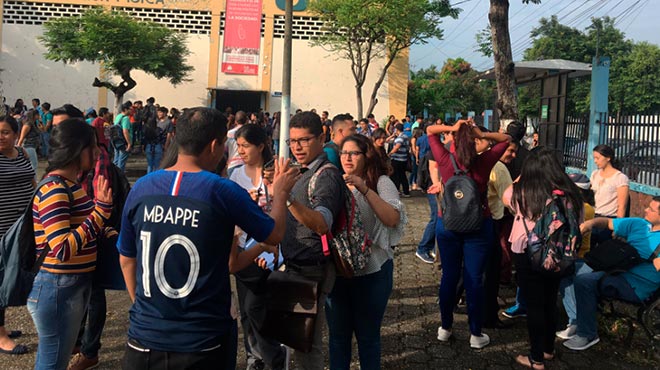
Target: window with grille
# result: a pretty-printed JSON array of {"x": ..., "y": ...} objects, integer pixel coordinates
[
  {"x": 20, "y": 12},
  {"x": 187, "y": 21},
  {"x": 304, "y": 28}
]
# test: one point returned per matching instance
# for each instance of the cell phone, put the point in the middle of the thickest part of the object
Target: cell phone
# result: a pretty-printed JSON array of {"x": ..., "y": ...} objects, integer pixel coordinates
[{"x": 270, "y": 164}]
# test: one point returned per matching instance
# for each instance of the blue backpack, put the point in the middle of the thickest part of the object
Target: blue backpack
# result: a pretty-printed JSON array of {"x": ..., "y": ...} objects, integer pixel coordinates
[{"x": 19, "y": 263}]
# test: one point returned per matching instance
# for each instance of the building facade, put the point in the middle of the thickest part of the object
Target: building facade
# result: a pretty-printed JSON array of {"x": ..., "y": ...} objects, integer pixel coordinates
[{"x": 320, "y": 79}]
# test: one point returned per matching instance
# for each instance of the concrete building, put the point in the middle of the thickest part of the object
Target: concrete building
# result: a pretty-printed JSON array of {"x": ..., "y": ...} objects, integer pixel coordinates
[{"x": 321, "y": 80}]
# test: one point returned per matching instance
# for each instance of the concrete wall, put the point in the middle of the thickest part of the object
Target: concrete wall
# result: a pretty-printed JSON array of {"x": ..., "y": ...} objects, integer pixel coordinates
[
  {"x": 324, "y": 81},
  {"x": 27, "y": 74}
]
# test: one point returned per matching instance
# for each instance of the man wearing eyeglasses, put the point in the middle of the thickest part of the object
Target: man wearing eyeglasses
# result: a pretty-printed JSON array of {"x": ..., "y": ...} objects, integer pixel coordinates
[{"x": 309, "y": 217}]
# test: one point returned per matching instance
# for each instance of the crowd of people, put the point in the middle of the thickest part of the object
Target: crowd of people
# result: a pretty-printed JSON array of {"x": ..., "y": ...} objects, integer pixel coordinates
[{"x": 216, "y": 202}]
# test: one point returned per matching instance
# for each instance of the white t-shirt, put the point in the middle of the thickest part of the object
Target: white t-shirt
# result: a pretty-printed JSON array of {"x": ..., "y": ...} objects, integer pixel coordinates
[
  {"x": 605, "y": 191},
  {"x": 243, "y": 180}
]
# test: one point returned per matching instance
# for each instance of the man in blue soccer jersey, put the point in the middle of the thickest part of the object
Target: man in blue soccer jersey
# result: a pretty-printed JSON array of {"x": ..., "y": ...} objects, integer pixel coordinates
[{"x": 176, "y": 250}]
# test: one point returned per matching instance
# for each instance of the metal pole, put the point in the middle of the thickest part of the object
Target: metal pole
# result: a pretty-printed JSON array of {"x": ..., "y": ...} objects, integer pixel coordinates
[{"x": 286, "y": 80}]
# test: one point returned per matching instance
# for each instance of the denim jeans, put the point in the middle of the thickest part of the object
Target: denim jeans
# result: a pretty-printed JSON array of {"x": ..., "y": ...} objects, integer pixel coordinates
[
  {"x": 427, "y": 244},
  {"x": 584, "y": 301},
  {"x": 34, "y": 159},
  {"x": 45, "y": 137},
  {"x": 412, "y": 179},
  {"x": 357, "y": 306},
  {"x": 57, "y": 304},
  {"x": 120, "y": 159},
  {"x": 473, "y": 250},
  {"x": 154, "y": 156}
]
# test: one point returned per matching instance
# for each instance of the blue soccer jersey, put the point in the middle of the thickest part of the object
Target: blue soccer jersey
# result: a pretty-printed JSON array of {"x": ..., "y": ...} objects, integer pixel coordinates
[{"x": 179, "y": 226}]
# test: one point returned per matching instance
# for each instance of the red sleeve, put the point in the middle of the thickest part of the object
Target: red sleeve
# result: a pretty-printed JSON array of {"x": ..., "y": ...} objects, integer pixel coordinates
[
  {"x": 487, "y": 160},
  {"x": 441, "y": 156}
]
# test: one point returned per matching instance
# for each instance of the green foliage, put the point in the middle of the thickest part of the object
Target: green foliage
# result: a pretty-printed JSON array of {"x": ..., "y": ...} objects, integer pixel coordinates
[
  {"x": 455, "y": 88},
  {"x": 121, "y": 42},
  {"x": 634, "y": 68},
  {"x": 484, "y": 43},
  {"x": 364, "y": 30}
]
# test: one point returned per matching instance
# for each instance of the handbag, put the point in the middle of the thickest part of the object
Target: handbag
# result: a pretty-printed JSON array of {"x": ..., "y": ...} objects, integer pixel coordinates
[
  {"x": 291, "y": 310},
  {"x": 616, "y": 255}
]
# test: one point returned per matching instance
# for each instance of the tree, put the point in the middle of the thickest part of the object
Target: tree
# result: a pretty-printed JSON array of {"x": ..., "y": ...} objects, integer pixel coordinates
[
  {"x": 498, "y": 16},
  {"x": 639, "y": 88},
  {"x": 362, "y": 31},
  {"x": 121, "y": 43},
  {"x": 455, "y": 88}
]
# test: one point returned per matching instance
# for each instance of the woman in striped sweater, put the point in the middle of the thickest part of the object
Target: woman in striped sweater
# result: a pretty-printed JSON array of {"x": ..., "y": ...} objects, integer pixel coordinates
[
  {"x": 69, "y": 230},
  {"x": 16, "y": 187}
]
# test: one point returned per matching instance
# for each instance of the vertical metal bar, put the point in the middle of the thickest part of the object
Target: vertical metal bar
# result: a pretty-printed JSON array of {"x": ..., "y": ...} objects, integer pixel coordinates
[{"x": 286, "y": 79}]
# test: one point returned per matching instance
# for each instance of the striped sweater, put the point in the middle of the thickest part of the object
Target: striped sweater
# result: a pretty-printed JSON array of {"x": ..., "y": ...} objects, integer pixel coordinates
[
  {"x": 71, "y": 231},
  {"x": 16, "y": 187}
]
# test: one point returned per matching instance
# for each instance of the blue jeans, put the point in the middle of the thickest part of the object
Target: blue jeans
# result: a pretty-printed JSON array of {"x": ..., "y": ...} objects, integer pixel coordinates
[
  {"x": 357, "y": 306},
  {"x": 583, "y": 301},
  {"x": 57, "y": 304},
  {"x": 45, "y": 137},
  {"x": 427, "y": 244},
  {"x": 120, "y": 159},
  {"x": 412, "y": 179},
  {"x": 471, "y": 250},
  {"x": 34, "y": 159},
  {"x": 154, "y": 156}
]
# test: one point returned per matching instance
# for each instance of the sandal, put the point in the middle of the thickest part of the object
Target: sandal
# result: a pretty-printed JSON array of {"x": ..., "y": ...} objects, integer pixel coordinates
[
  {"x": 527, "y": 362},
  {"x": 19, "y": 349}
]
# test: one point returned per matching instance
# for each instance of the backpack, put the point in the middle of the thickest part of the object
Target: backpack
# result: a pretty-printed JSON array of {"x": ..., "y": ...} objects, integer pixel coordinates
[
  {"x": 553, "y": 243},
  {"x": 462, "y": 208},
  {"x": 18, "y": 261},
  {"x": 348, "y": 242},
  {"x": 117, "y": 139},
  {"x": 423, "y": 174},
  {"x": 615, "y": 255},
  {"x": 150, "y": 132}
]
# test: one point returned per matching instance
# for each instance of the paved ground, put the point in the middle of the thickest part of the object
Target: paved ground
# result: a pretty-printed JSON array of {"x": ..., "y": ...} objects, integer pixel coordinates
[{"x": 409, "y": 329}]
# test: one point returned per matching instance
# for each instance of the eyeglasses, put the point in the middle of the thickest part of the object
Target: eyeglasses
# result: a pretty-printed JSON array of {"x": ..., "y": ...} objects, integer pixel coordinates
[
  {"x": 303, "y": 141},
  {"x": 350, "y": 154}
]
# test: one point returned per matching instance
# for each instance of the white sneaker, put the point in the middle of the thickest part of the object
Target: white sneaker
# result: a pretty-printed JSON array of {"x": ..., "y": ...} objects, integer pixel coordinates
[
  {"x": 578, "y": 343},
  {"x": 567, "y": 333},
  {"x": 479, "y": 342},
  {"x": 444, "y": 335}
]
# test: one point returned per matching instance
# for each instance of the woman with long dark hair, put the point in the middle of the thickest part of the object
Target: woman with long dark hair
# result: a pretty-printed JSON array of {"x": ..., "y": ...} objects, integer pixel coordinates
[
  {"x": 470, "y": 250},
  {"x": 16, "y": 187},
  {"x": 357, "y": 305},
  {"x": 541, "y": 176},
  {"x": 68, "y": 230},
  {"x": 254, "y": 149},
  {"x": 30, "y": 137},
  {"x": 611, "y": 189}
]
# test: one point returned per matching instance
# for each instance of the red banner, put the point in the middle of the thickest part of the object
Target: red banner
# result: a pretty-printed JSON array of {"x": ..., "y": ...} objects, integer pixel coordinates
[{"x": 240, "y": 53}]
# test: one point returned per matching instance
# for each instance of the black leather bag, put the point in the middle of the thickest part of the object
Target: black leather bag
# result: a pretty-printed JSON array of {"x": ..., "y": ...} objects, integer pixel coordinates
[
  {"x": 615, "y": 255},
  {"x": 291, "y": 310}
]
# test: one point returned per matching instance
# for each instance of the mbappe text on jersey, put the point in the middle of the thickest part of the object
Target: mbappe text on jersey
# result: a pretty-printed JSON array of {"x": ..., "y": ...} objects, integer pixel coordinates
[{"x": 171, "y": 215}]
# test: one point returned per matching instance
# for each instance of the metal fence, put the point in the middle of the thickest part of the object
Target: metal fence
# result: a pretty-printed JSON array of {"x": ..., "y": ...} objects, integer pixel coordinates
[{"x": 634, "y": 138}]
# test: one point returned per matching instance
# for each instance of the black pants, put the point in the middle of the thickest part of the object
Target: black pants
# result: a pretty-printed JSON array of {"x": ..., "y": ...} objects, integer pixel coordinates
[
  {"x": 138, "y": 358},
  {"x": 399, "y": 176},
  {"x": 492, "y": 278},
  {"x": 541, "y": 293},
  {"x": 91, "y": 329}
]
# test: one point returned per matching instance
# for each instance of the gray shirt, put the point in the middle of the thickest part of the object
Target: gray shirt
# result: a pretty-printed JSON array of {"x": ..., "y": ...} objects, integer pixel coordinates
[{"x": 301, "y": 245}]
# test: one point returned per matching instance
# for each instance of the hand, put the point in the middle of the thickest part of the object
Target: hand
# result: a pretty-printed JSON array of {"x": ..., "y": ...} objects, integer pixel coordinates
[
  {"x": 273, "y": 249},
  {"x": 435, "y": 188},
  {"x": 285, "y": 177},
  {"x": 357, "y": 182},
  {"x": 254, "y": 194},
  {"x": 586, "y": 227},
  {"x": 129, "y": 147},
  {"x": 103, "y": 190}
]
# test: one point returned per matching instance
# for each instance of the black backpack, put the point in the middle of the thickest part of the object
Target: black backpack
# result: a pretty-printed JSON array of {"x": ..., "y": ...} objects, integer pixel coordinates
[
  {"x": 117, "y": 139},
  {"x": 462, "y": 209},
  {"x": 615, "y": 255},
  {"x": 150, "y": 132},
  {"x": 19, "y": 263},
  {"x": 423, "y": 173}
]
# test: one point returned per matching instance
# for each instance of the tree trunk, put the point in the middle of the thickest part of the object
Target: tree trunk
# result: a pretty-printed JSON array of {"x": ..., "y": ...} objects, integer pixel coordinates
[
  {"x": 358, "y": 95},
  {"x": 119, "y": 90},
  {"x": 374, "y": 93},
  {"x": 507, "y": 101}
]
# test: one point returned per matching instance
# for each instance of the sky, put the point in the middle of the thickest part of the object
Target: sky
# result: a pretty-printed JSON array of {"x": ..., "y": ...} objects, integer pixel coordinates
[{"x": 638, "y": 19}]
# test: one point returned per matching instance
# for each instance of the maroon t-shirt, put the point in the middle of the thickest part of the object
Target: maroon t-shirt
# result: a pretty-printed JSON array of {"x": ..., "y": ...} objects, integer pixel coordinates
[{"x": 480, "y": 171}]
